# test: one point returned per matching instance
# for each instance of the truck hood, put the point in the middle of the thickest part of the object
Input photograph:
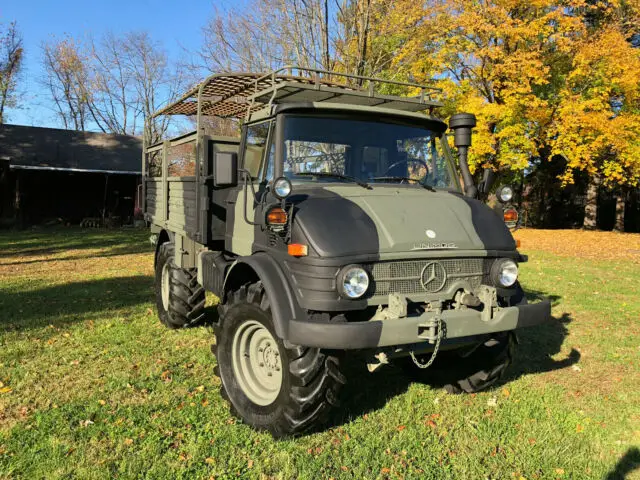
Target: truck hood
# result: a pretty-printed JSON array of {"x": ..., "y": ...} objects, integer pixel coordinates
[{"x": 350, "y": 220}]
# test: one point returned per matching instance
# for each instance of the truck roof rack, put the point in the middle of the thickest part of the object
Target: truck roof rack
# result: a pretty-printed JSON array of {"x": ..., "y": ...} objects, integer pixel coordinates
[{"x": 238, "y": 95}]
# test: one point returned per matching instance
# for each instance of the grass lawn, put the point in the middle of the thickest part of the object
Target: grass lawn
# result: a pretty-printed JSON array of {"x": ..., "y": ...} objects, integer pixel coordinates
[{"x": 92, "y": 386}]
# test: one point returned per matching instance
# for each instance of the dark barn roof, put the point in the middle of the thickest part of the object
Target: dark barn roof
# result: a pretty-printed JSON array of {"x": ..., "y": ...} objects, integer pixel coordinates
[{"x": 54, "y": 149}]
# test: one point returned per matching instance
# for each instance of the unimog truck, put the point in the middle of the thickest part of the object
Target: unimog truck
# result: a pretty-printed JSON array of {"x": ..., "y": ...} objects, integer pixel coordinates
[{"x": 338, "y": 223}]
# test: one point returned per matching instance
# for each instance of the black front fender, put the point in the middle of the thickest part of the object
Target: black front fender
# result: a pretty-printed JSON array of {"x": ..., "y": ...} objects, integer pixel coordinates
[{"x": 284, "y": 305}]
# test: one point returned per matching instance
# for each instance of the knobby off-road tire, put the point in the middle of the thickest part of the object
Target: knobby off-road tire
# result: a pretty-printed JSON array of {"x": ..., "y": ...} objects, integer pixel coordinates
[
  {"x": 179, "y": 297},
  {"x": 462, "y": 372},
  {"x": 286, "y": 391}
]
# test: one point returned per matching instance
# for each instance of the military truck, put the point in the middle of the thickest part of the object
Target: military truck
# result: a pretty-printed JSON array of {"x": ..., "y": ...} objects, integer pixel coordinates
[{"x": 339, "y": 222}]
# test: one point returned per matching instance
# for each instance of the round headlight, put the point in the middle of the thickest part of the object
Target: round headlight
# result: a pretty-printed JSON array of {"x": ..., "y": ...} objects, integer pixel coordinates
[
  {"x": 281, "y": 187},
  {"x": 505, "y": 194},
  {"x": 505, "y": 272},
  {"x": 355, "y": 282}
]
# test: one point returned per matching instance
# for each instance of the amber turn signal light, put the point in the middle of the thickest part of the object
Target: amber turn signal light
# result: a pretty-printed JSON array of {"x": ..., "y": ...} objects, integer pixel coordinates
[
  {"x": 297, "y": 250},
  {"x": 518, "y": 243},
  {"x": 276, "y": 216},
  {"x": 510, "y": 215}
]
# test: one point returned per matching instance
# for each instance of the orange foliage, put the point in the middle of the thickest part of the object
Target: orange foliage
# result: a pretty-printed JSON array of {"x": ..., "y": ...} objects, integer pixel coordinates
[{"x": 541, "y": 76}]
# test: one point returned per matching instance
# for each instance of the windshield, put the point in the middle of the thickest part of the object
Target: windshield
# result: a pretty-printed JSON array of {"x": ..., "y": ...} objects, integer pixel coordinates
[{"x": 343, "y": 149}]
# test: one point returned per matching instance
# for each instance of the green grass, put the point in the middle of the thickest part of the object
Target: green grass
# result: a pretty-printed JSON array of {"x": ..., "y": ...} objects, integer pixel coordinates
[{"x": 93, "y": 386}]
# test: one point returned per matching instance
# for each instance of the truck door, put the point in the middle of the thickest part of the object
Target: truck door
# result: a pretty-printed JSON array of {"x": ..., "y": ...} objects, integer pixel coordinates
[{"x": 241, "y": 232}]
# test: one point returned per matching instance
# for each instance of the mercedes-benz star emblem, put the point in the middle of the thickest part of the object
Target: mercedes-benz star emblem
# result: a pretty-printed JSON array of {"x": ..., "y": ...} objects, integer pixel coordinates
[{"x": 433, "y": 277}]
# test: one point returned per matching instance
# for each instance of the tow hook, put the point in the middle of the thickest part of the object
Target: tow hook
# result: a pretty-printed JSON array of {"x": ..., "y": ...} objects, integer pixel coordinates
[
  {"x": 432, "y": 331},
  {"x": 438, "y": 328}
]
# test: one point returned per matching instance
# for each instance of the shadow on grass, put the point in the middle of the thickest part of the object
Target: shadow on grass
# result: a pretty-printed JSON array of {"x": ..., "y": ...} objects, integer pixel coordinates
[
  {"x": 536, "y": 345},
  {"x": 366, "y": 392},
  {"x": 629, "y": 462},
  {"x": 127, "y": 249},
  {"x": 70, "y": 302},
  {"x": 59, "y": 240}
]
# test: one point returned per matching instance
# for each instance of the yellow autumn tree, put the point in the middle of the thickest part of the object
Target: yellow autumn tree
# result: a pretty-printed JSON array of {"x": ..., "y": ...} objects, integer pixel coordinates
[
  {"x": 492, "y": 59},
  {"x": 548, "y": 80},
  {"x": 597, "y": 126}
]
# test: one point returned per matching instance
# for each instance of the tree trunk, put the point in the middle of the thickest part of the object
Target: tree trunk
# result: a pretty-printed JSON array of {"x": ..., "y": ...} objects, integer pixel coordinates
[
  {"x": 591, "y": 205},
  {"x": 621, "y": 199}
]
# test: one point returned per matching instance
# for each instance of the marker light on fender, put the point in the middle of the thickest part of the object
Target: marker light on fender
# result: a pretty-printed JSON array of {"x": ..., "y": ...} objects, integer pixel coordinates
[
  {"x": 276, "y": 216},
  {"x": 510, "y": 215},
  {"x": 297, "y": 250}
]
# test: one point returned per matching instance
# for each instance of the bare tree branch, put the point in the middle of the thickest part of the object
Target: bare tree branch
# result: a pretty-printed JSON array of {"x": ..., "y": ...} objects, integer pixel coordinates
[{"x": 11, "y": 57}]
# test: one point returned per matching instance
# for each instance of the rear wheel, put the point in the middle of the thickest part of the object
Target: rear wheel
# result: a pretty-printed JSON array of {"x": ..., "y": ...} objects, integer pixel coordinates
[
  {"x": 179, "y": 297},
  {"x": 468, "y": 370},
  {"x": 285, "y": 391}
]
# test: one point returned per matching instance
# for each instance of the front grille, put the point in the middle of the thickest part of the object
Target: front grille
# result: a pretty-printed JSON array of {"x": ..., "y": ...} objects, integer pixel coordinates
[{"x": 427, "y": 276}]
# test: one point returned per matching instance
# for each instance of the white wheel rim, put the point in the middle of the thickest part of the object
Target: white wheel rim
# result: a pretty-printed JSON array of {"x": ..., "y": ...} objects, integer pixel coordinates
[
  {"x": 256, "y": 362},
  {"x": 165, "y": 286}
]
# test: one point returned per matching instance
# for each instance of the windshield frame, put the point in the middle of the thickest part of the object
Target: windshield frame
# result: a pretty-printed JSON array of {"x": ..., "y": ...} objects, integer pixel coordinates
[{"x": 438, "y": 128}]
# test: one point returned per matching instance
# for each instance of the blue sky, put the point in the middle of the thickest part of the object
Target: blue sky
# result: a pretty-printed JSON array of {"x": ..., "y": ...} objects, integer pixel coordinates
[{"x": 40, "y": 19}]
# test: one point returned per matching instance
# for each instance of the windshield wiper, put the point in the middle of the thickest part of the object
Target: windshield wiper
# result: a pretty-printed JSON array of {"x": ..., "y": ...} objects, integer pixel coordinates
[
  {"x": 336, "y": 175},
  {"x": 424, "y": 185}
]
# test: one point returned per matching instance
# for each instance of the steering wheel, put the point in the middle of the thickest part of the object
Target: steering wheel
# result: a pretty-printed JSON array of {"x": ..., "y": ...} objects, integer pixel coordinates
[{"x": 407, "y": 162}]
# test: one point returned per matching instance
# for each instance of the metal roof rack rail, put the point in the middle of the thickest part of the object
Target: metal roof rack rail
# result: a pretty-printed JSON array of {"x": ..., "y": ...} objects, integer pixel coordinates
[{"x": 238, "y": 95}]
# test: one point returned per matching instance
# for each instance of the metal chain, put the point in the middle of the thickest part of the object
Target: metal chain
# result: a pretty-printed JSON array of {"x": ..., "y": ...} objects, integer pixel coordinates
[{"x": 435, "y": 350}]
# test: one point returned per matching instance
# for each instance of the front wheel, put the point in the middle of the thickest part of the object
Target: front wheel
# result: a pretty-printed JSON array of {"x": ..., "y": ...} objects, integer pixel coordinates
[{"x": 286, "y": 391}]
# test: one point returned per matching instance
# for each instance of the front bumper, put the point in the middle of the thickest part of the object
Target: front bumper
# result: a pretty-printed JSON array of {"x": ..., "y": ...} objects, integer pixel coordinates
[{"x": 410, "y": 330}]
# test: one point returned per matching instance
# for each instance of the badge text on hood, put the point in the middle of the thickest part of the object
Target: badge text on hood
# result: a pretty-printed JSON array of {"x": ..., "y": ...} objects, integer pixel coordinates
[{"x": 432, "y": 246}]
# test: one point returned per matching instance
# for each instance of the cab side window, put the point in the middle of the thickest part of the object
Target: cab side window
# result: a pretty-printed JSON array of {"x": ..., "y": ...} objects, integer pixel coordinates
[{"x": 255, "y": 145}]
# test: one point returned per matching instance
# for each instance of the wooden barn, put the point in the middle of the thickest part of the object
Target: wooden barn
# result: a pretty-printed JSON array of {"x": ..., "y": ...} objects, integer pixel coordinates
[{"x": 49, "y": 175}]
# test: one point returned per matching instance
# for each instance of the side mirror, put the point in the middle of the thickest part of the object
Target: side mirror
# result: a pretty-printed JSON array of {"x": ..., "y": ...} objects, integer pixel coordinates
[
  {"x": 225, "y": 169},
  {"x": 488, "y": 179}
]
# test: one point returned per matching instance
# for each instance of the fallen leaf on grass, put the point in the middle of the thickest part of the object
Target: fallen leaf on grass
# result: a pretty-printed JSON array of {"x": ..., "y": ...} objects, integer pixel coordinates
[
  {"x": 492, "y": 402},
  {"x": 209, "y": 461},
  {"x": 579, "y": 428},
  {"x": 560, "y": 471},
  {"x": 401, "y": 427},
  {"x": 5, "y": 389},
  {"x": 128, "y": 441}
]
